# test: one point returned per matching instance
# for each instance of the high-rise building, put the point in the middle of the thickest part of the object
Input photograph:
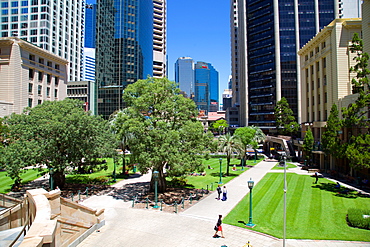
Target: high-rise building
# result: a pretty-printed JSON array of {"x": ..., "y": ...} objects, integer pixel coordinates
[
  {"x": 206, "y": 87},
  {"x": 90, "y": 25},
  {"x": 159, "y": 38},
  {"x": 125, "y": 45},
  {"x": 266, "y": 36},
  {"x": 88, "y": 64},
  {"x": 184, "y": 75},
  {"x": 56, "y": 26}
]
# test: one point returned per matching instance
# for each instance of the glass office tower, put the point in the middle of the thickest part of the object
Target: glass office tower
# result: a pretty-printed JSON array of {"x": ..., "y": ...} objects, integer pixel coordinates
[
  {"x": 90, "y": 25},
  {"x": 206, "y": 87},
  {"x": 184, "y": 75},
  {"x": 124, "y": 49},
  {"x": 266, "y": 36}
]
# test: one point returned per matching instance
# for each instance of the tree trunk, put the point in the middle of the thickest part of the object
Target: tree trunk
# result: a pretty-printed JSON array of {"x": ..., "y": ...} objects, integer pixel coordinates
[
  {"x": 123, "y": 163},
  {"x": 228, "y": 164},
  {"x": 162, "y": 186},
  {"x": 58, "y": 179}
]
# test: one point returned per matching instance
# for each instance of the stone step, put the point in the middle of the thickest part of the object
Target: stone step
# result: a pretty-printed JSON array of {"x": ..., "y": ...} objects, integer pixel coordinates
[{"x": 7, "y": 236}]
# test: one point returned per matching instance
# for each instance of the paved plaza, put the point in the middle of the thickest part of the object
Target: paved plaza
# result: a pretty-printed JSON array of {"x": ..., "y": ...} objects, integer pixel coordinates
[{"x": 126, "y": 226}]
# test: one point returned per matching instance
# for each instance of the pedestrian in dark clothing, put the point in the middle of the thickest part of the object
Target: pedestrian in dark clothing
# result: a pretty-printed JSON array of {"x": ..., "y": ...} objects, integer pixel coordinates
[
  {"x": 316, "y": 177},
  {"x": 218, "y": 228},
  {"x": 219, "y": 191}
]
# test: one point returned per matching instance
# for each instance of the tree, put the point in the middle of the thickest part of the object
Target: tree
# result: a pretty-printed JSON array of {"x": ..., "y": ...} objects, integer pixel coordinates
[
  {"x": 166, "y": 135},
  {"x": 56, "y": 134},
  {"x": 229, "y": 144},
  {"x": 285, "y": 120},
  {"x": 355, "y": 115},
  {"x": 220, "y": 126},
  {"x": 246, "y": 136},
  {"x": 330, "y": 138},
  {"x": 307, "y": 146},
  {"x": 259, "y": 137}
]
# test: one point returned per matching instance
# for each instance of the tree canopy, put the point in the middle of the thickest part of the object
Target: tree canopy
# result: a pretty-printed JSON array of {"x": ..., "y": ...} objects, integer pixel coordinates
[
  {"x": 56, "y": 134},
  {"x": 166, "y": 137},
  {"x": 307, "y": 146},
  {"x": 220, "y": 125},
  {"x": 229, "y": 144},
  {"x": 330, "y": 137},
  {"x": 285, "y": 120}
]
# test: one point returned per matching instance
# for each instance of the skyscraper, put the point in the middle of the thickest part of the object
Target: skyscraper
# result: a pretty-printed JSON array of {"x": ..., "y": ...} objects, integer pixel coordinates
[
  {"x": 56, "y": 26},
  {"x": 90, "y": 25},
  {"x": 206, "y": 87},
  {"x": 159, "y": 38},
  {"x": 125, "y": 45},
  {"x": 184, "y": 75},
  {"x": 266, "y": 36}
]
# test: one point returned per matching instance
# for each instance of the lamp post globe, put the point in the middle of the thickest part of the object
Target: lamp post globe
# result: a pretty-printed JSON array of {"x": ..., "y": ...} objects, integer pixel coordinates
[
  {"x": 250, "y": 186},
  {"x": 156, "y": 177}
]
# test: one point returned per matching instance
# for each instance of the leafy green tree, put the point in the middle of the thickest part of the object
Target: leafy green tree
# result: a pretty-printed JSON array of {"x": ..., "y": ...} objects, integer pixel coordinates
[
  {"x": 259, "y": 137},
  {"x": 355, "y": 115},
  {"x": 247, "y": 139},
  {"x": 166, "y": 135},
  {"x": 3, "y": 141},
  {"x": 56, "y": 134},
  {"x": 220, "y": 126},
  {"x": 330, "y": 138},
  {"x": 307, "y": 146},
  {"x": 285, "y": 120},
  {"x": 229, "y": 144}
]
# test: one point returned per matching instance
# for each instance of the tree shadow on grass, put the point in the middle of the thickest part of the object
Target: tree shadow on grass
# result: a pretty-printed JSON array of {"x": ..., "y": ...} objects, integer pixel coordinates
[{"x": 340, "y": 192}]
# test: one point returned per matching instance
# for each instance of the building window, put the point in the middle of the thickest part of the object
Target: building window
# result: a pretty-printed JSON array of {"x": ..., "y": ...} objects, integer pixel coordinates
[
  {"x": 40, "y": 76},
  {"x": 56, "y": 93},
  {"x": 324, "y": 62},
  {"x": 29, "y": 102},
  {"x": 318, "y": 99},
  {"x": 326, "y": 97},
  {"x": 318, "y": 82},
  {"x": 39, "y": 102},
  {"x": 323, "y": 45},
  {"x": 30, "y": 87},
  {"x": 306, "y": 57},
  {"x": 31, "y": 57},
  {"x": 317, "y": 49},
  {"x": 31, "y": 74},
  {"x": 48, "y": 91},
  {"x": 41, "y": 60},
  {"x": 50, "y": 64},
  {"x": 57, "y": 66},
  {"x": 317, "y": 66},
  {"x": 39, "y": 89},
  {"x": 56, "y": 81},
  {"x": 48, "y": 78}
]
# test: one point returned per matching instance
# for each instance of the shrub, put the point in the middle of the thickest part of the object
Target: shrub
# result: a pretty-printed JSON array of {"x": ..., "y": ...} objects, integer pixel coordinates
[{"x": 355, "y": 218}]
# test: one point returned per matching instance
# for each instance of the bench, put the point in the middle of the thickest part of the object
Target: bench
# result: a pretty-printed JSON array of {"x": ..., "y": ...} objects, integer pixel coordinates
[{"x": 313, "y": 170}]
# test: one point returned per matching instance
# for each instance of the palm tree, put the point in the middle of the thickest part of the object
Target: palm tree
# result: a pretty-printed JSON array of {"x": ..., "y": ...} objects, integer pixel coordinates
[
  {"x": 259, "y": 137},
  {"x": 229, "y": 144}
]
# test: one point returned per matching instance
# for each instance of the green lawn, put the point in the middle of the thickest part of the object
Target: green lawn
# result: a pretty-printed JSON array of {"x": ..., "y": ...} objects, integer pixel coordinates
[
  {"x": 212, "y": 176},
  {"x": 6, "y": 183},
  {"x": 314, "y": 211},
  {"x": 98, "y": 176},
  {"x": 289, "y": 165}
]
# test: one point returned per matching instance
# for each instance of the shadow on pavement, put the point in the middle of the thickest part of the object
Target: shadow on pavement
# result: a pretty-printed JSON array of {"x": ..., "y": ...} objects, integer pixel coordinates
[{"x": 128, "y": 191}]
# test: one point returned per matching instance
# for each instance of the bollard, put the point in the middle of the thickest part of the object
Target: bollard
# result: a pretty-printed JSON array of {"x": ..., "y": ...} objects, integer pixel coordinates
[
  {"x": 196, "y": 194},
  {"x": 133, "y": 201},
  {"x": 191, "y": 198},
  {"x": 175, "y": 207},
  {"x": 79, "y": 195},
  {"x": 147, "y": 203},
  {"x": 72, "y": 197},
  {"x": 202, "y": 192},
  {"x": 183, "y": 202},
  {"x": 161, "y": 203},
  {"x": 87, "y": 191},
  {"x": 207, "y": 186}
]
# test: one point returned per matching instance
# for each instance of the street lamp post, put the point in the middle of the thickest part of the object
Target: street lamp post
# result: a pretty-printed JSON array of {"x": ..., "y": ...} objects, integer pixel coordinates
[
  {"x": 285, "y": 190},
  {"x": 250, "y": 186},
  {"x": 156, "y": 176},
  {"x": 220, "y": 171},
  {"x": 51, "y": 172},
  {"x": 114, "y": 170}
]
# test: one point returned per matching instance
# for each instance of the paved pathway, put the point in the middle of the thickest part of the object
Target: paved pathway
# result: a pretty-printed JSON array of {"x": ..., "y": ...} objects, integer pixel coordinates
[{"x": 126, "y": 226}]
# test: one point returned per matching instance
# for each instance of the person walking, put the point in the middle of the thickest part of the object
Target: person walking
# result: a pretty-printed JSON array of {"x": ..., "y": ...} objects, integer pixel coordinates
[
  {"x": 224, "y": 194},
  {"x": 218, "y": 228},
  {"x": 316, "y": 177},
  {"x": 219, "y": 191}
]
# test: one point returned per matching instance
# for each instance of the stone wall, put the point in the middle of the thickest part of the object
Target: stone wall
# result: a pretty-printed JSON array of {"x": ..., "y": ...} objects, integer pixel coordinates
[{"x": 57, "y": 221}]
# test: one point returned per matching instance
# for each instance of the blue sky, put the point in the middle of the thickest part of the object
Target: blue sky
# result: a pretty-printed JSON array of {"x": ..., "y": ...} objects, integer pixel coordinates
[{"x": 199, "y": 29}]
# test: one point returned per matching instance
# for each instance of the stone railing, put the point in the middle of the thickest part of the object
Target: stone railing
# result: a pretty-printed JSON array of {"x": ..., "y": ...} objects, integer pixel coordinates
[{"x": 57, "y": 221}]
